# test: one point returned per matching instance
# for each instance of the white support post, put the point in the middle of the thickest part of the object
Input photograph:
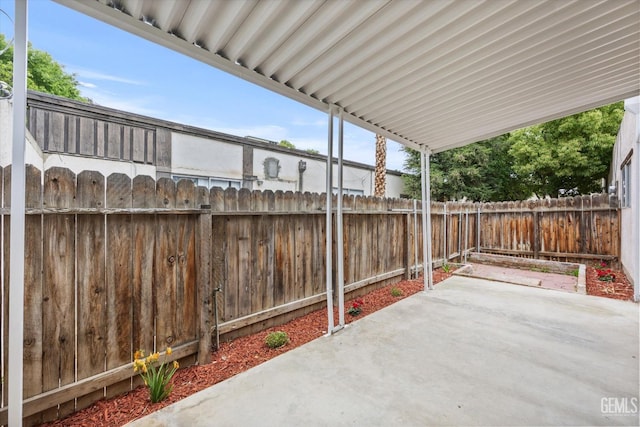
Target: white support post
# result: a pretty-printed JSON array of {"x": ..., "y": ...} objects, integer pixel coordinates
[
  {"x": 16, "y": 257},
  {"x": 329, "y": 226},
  {"x": 478, "y": 231},
  {"x": 426, "y": 219},
  {"x": 466, "y": 234},
  {"x": 415, "y": 239},
  {"x": 635, "y": 202},
  {"x": 339, "y": 229},
  {"x": 446, "y": 256}
]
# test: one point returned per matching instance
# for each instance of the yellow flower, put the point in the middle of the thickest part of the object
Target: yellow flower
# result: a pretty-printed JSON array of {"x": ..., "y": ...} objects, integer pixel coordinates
[
  {"x": 169, "y": 351},
  {"x": 175, "y": 364},
  {"x": 155, "y": 357},
  {"x": 144, "y": 369},
  {"x": 139, "y": 354}
]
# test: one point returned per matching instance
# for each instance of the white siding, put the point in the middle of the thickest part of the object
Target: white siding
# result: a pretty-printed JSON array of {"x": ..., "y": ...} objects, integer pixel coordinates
[
  {"x": 626, "y": 143},
  {"x": 196, "y": 156}
]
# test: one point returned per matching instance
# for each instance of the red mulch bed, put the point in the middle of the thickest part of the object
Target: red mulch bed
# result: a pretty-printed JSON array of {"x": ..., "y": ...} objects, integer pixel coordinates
[
  {"x": 246, "y": 352},
  {"x": 231, "y": 359},
  {"x": 618, "y": 288}
]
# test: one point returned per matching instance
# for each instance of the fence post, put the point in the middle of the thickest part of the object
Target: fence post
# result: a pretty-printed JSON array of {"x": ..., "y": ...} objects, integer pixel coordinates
[
  {"x": 407, "y": 247},
  {"x": 478, "y": 231},
  {"x": 205, "y": 297},
  {"x": 536, "y": 234}
]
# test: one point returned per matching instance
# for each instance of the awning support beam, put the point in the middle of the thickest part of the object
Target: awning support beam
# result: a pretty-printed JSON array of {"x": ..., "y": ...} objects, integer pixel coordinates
[
  {"x": 329, "y": 225},
  {"x": 427, "y": 262},
  {"x": 339, "y": 222},
  {"x": 16, "y": 256},
  {"x": 635, "y": 200}
]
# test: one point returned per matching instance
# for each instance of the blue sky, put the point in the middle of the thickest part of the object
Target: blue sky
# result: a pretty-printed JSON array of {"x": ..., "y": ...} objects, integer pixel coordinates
[{"x": 119, "y": 70}]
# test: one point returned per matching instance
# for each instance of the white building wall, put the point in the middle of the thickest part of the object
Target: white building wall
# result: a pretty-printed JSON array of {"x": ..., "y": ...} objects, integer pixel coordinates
[
  {"x": 395, "y": 186},
  {"x": 355, "y": 180},
  {"x": 33, "y": 155},
  {"x": 196, "y": 156},
  {"x": 627, "y": 149}
]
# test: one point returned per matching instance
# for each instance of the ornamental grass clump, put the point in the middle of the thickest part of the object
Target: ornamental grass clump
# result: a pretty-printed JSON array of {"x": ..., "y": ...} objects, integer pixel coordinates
[
  {"x": 276, "y": 339},
  {"x": 156, "y": 377}
]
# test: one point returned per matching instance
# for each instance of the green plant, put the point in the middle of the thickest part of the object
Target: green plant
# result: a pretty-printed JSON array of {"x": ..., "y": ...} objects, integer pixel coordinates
[
  {"x": 156, "y": 377},
  {"x": 446, "y": 268},
  {"x": 356, "y": 307},
  {"x": 396, "y": 292},
  {"x": 575, "y": 272},
  {"x": 276, "y": 339}
]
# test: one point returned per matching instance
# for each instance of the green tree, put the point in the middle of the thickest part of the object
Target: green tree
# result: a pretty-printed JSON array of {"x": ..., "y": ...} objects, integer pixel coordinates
[
  {"x": 287, "y": 144},
  {"x": 44, "y": 74},
  {"x": 570, "y": 155},
  {"x": 478, "y": 172}
]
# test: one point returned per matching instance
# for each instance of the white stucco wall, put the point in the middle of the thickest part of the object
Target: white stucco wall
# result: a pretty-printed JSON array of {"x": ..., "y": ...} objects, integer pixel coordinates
[
  {"x": 33, "y": 155},
  {"x": 192, "y": 155},
  {"x": 627, "y": 142},
  {"x": 314, "y": 177},
  {"x": 395, "y": 186}
]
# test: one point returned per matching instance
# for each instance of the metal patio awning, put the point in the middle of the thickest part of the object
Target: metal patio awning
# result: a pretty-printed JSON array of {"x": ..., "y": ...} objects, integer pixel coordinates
[{"x": 431, "y": 73}]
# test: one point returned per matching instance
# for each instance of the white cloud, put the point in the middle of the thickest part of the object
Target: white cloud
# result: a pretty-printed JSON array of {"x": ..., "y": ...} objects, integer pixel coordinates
[
  {"x": 87, "y": 85},
  {"x": 141, "y": 105},
  {"x": 96, "y": 75}
]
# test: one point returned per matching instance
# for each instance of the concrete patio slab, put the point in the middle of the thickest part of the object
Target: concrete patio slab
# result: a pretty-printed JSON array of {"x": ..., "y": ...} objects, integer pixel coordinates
[{"x": 470, "y": 352}]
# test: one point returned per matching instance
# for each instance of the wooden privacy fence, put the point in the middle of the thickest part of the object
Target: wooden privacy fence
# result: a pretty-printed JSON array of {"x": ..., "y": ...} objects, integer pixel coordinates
[{"x": 114, "y": 264}]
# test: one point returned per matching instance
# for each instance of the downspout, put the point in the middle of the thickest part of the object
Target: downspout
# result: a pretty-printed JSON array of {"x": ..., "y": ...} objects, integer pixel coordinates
[{"x": 16, "y": 256}]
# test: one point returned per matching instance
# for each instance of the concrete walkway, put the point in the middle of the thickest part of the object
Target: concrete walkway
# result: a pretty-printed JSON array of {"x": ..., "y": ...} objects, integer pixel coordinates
[{"x": 470, "y": 352}]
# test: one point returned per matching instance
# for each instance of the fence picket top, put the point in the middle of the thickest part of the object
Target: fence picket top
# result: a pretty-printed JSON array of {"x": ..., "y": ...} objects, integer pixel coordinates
[
  {"x": 186, "y": 194},
  {"x": 202, "y": 197},
  {"x": 216, "y": 199},
  {"x": 144, "y": 192},
  {"x": 165, "y": 193},
  {"x": 244, "y": 200},
  {"x": 300, "y": 201},
  {"x": 91, "y": 192},
  {"x": 279, "y": 201},
  {"x": 358, "y": 203},
  {"x": 118, "y": 191},
  {"x": 270, "y": 200},
  {"x": 308, "y": 201},
  {"x": 258, "y": 201},
  {"x": 59, "y": 188},
  {"x": 231, "y": 200},
  {"x": 33, "y": 190},
  {"x": 289, "y": 201}
]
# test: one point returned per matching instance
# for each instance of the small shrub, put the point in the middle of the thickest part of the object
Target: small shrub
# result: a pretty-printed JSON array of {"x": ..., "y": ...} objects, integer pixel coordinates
[
  {"x": 605, "y": 275},
  {"x": 446, "y": 268},
  {"x": 396, "y": 292},
  {"x": 276, "y": 339},
  {"x": 356, "y": 307},
  {"x": 157, "y": 378}
]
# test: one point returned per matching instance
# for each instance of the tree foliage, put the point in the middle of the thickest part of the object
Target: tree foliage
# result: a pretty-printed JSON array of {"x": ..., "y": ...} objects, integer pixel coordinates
[
  {"x": 44, "y": 74},
  {"x": 287, "y": 144},
  {"x": 569, "y": 155},
  {"x": 477, "y": 172},
  {"x": 565, "y": 156}
]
